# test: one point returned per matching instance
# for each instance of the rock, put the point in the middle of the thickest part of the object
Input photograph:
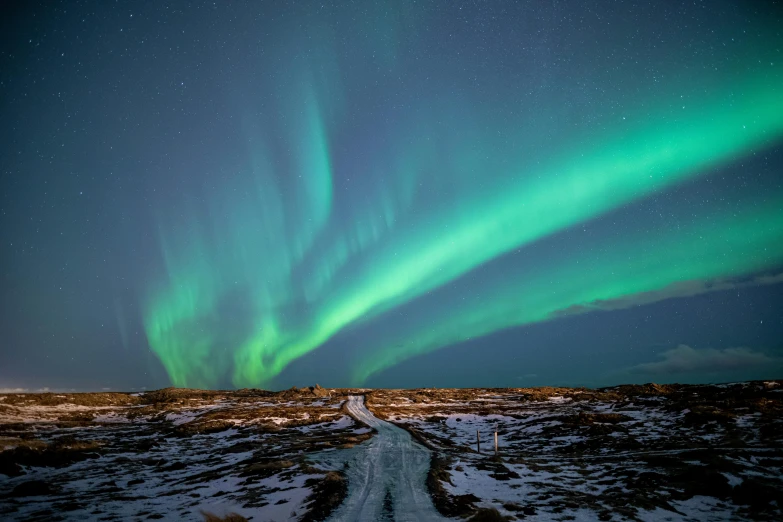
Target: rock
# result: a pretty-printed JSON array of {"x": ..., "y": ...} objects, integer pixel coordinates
[
  {"x": 487, "y": 515},
  {"x": 700, "y": 481},
  {"x": 647, "y": 480},
  {"x": 176, "y": 466},
  {"x": 147, "y": 444},
  {"x": 319, "y": 392},
  {"x": 510, "y": 506},
  {"x": 755, "y": 493},
  {"x": 32, "y": 488}
]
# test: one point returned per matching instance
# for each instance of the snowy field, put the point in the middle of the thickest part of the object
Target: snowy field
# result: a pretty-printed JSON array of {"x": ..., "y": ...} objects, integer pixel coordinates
[
  {"x": 169, "y": 456},
  {"x": 626, "y": 453},
  {"x": 642, "y": 453}
]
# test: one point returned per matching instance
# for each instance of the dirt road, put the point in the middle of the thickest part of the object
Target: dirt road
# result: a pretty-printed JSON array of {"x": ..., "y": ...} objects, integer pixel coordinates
[{"x": 386, "y": 477}]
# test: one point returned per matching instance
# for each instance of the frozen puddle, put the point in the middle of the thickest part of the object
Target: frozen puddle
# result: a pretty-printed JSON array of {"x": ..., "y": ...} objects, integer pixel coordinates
[{"x": 386, "y": 475}]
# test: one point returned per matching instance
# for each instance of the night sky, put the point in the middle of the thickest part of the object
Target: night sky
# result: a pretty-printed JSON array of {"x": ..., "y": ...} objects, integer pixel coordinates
[{"x": 396, "y": 194}]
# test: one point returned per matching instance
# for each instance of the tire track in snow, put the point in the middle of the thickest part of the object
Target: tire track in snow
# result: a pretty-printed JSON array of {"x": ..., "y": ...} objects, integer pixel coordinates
[{"x": 389, "y": 470}]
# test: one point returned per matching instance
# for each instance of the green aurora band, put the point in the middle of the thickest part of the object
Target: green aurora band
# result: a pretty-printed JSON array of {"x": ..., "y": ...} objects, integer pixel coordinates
[
  {"x": 272, "y": 274},
  {"x": 710, "y": 248}
]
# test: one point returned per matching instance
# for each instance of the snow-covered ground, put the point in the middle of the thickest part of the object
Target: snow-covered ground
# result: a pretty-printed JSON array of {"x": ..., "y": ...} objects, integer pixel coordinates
[
  {"x": 678, "y": 453},
  {"x": 656, "y": 453},
  {"x": 167, "y": 460}
]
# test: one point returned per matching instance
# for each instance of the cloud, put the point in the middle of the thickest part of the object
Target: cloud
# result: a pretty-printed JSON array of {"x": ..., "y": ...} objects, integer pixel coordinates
[
  {"x": 678, "y": 289},
  {"x": 13, "y": 390},
  {"x": 45, "y": 389},
  {"x": 685, "y": 359}
]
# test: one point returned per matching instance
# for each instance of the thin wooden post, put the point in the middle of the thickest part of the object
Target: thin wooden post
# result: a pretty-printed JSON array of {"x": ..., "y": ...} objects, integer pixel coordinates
[
  {"x": 496, "y": 443},
  {"x": 478, "y": 442}
]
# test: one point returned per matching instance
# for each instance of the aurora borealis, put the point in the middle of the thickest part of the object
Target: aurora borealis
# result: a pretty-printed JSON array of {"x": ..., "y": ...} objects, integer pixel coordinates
[{"x": 260, "y": 195}]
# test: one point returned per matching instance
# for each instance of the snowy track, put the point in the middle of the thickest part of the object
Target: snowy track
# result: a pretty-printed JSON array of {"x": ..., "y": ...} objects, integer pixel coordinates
[{"x": 386, "y": 478}]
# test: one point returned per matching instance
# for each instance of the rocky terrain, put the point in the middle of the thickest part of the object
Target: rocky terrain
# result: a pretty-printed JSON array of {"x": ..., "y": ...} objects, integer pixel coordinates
[
  {"x": 171, "y": 454},
  {"x": 647, "y": 452}
]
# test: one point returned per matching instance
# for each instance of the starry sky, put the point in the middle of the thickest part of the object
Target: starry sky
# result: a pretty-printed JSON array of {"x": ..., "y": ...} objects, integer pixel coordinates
[{"x": 390, "y": 193}]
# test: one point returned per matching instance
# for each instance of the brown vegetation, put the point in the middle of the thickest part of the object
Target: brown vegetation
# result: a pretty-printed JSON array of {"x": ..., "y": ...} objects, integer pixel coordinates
[
  {"x": 231, "y": 517},
  {"x": 60, "y": 452},
  {"x": 644, "y": 446},
  {"x": 170, "y": 441},
  {"x": 488, "y": 515},
  {"x": 328, "y": 493}
]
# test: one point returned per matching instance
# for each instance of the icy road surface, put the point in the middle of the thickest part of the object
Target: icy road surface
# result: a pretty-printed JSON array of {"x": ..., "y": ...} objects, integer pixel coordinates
[{"x": 386, "y": 478}]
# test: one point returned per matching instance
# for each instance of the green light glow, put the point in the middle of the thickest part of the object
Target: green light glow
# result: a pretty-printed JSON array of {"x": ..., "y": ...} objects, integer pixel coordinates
[
  {"x": 279, "y": 259},
  {"x": 712, "y": 247}
]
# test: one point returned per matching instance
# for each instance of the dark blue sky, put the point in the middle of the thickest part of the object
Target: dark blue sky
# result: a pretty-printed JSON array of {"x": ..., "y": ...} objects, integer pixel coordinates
[{"x": 390, "y": 194}]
